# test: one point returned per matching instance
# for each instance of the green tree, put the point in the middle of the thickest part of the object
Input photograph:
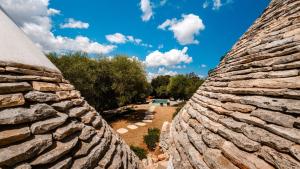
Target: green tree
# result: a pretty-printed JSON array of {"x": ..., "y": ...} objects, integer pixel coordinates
[
  {"x": 177, "y": 86},
  {"x": 184, "y": 86},
  {"x": 130, "y": 80},
  {"x": 105, "y": 83},
  {"x": 159, "y": 85}
]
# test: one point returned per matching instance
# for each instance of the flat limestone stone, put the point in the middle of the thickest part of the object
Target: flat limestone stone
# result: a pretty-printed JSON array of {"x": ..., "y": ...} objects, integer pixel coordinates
[
  {"x": 132, "y": 127},
  {"x": 44, "y": 86},
  {"x": 140, "y": 124},
  {"x": 14, "y": 87},
  {"x": 122, "y": 130},
  {"x": 13, "y": 135},
  {"x": 10, "y": 100},
  {"x": 147, "y": 121},
  {"x": 16, "y": 153}
]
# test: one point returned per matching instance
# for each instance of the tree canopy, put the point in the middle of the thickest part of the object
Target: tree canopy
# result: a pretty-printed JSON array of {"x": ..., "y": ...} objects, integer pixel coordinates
[
  {"x": 105, "y": 83},
  {"x": 179, "y": 86}
]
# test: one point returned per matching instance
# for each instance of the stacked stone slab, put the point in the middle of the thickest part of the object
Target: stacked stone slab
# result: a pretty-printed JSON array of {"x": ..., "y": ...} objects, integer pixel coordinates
[
  {"x": 247, "y": 113},
  {"x": 44, "y": 121}
]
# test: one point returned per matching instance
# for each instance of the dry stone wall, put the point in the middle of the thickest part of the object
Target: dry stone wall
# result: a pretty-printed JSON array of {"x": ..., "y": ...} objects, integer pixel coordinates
[
  {"x": 45, "y": 123},
  {"x": 247, "y": 113}
]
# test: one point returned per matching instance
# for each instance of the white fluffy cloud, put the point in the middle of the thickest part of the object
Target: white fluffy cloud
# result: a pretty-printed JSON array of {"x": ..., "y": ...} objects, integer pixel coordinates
[
  {"x": 119, "y": 38},
  {"x": 146, "y": 8},
  {"x": 34, "y": 18},
  {"x": 169, "y": 58},
  {"x": 116, "y": 38},
  {"x": 186, "y": 29},
  {"x": 52, "y": 11},
  {"x": 216, "y": 4},
  {"x": 72, "y": 23}
]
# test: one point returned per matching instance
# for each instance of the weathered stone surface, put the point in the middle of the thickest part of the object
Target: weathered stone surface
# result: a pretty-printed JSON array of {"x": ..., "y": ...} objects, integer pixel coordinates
[
  {"x": 23, "y": 115},
  {"x": 295, "y": 151},
  {"x": 285, "y": 105},
  {"x": 21, "y": 69},
  {"x": 212, "y": 140},
  {"x": 196, "y": 140},
  {"x": 291, "y": 82},
  {"x": 274, "y": 117},
  {"x": 116, "y": 162},
  {"x": 63, "y": 105},
  {"x": 164, "y": 137},
  {"x": 195, "y": 125},
  {"x": 214, "y": 159},
  {"x": 11, "y": 100},
  {"x": 94, "y": 156},
  {"x": 67, "y": 129},
  {"x": 48, "y": 124},
  {"x": 59, "y": 150},
  {"x": 13, "y": 78},
  {"x": 14, "y": 87},
  {"x": 288, "y": 133},
  {"x": 85, "y": 147},
  {"x": 77, "y": 102},
  {"x": 77, "y": 111},
  {"x": 196, "y": 158},
  {"x": 10, "y": 136},
  {"x": 239, "y": 140},
  {"x": 238, "y": 107},
  {"x": 23, "y": 166},
  {"x": 88, "y": 117},
  {"x": 24, "y": 151},
  {"x": 246, "y": 118},
  {"x": 63, "y": 164},
  {"x": 36, "y": 96},
  {"x": 279, "y": 160},
  {"x": 87, "y": 132},
  {"x": 297, "y": 123},
  {"x": 243, "y": 159},
  {"x": 232, "y": 124},
  {"x": 65, "y": 86},
  {"x": 63, "y": 95},
  {"x": 107, "y": 159},
  {"x": 267, "y": 138},
  {"x": 44, "y": 86},
  {"x": 97, "y": 123}
]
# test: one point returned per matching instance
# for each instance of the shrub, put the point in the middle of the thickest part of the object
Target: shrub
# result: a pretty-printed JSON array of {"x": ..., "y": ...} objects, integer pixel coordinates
[
  {"x": 152, "y": 138},
  {"x": 140, "y": 152},
  {"x": 154, "y": 131}
]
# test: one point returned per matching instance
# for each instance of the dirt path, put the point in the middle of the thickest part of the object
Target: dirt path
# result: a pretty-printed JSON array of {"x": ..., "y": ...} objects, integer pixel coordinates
[{"x": 135, "y": 137}]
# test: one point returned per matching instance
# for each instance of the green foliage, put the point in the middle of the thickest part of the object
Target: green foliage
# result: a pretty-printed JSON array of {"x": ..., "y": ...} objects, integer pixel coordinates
[
  {"x": 140, "y": 152},
  {"x": 184, "y": 86},
  {"x": 105, "y": 83},
  {"x": 179, "y": 107},
  {"x": 159, "y": 85},
  {"x": 178, "y": 87},
  {"x": 152, "y": 138}
]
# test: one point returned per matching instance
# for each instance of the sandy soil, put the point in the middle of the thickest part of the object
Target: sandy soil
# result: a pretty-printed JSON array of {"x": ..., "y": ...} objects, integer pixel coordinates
[{"x": 135, "y": 137}]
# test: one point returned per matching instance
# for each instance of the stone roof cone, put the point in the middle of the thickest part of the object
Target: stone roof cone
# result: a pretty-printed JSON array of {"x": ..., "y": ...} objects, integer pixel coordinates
[
  {"x": 247, "y": 113},
  {"x": 44, "y": 121}
]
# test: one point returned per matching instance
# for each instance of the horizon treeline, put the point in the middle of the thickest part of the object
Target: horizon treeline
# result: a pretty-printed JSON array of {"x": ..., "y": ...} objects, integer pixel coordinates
[
  {"x": 107, "y": 83},
  {"x": 181, "y": 86}
]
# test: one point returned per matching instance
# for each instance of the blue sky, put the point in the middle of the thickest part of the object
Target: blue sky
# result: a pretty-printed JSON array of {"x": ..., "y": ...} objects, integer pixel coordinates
[{"x": 197, "y": 32}]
